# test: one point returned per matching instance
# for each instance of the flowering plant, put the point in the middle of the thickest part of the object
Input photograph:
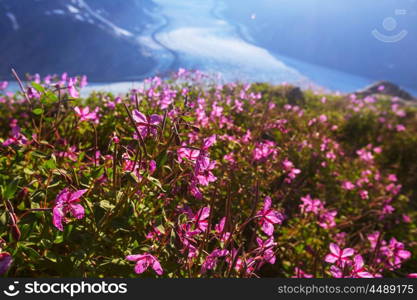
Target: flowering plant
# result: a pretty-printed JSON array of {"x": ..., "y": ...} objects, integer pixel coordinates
[{"x": 191, "y": 177}]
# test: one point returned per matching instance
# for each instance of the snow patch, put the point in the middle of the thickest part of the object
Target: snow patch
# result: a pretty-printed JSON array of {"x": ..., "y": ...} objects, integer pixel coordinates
[
  {"x": 13, "y": 20},
  {"x": 73, "y": 9}
]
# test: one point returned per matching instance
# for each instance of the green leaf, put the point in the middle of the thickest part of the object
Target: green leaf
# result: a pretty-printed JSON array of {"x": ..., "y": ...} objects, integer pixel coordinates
[
  {"x": 49, "y": 98},
  {"x": 162, "y": 158},
  {"x": 156, "y": 182},
  {"x": 10, "y": 190},
  {"x": 32, "y": 253},
  {"x": 50, "y": 164},
  {"x": 188, "y": 119},
  {"x": 51, "y": 256},
  {"x": 59, "y": 239},
  {"x": 38, "y": 87},
  {"x": 38, "y": 111}
]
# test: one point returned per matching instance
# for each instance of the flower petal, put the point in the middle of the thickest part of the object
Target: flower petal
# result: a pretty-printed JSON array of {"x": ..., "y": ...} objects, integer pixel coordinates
[
  {"x": 77, "y": 195},
  {"x": 139, "y": 117},
  {"x": 135, "y": 257},
  {"x": 141, "y": 266},
  {"x": 156, "y": 266},
  {"x": 347, "y": 252},
  {"x": 5, "y": 262},
  {"x": 77, "y": 211},
  {"x": 58, "y": 216},
  {"x": 334, "y": 249},
  {"x": 330, "y": 258}
]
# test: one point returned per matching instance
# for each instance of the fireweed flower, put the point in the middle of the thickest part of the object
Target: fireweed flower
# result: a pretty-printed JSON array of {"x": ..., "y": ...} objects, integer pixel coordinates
[
  {"x": 375, "y": 239},
  {"x": 32, "y": 93},
  {"x": 85, "y": 115},
  {"x": 268, "y": 217},
  {"x": 16, "y": 137},
  {"x": 264, "y": 150},
  {"x": 326, "y": 219},
  {"x": 211, "y": 260},
  {"x": 347, "y": 185},
  {"x": 146, "y": 125},
  {"x": 72, "y": 91},
  {"x": 144, "y": 261},
  {"x": 292, "y": 172},
  {"x": 67, "y": 202},
  {"x": 5, "y": 262},
  {"x": 395, "y": 253},
  {"x": 219, "y": 228},
  {"x": 3, "y": 85},
  {"x": 358, "y": 269},
  {"x": 188, "y": 153},
  {"x": 201, "y": 218},
  {"x": 337, "y": 255},
  {"x": 311, "y": 205},
  {"x": 265, "y": 249}
]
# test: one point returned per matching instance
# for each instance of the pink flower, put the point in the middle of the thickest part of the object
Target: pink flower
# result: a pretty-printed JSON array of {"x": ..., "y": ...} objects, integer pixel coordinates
[
  {"x": 412, "y": 275},
  {"x": 219, "y": 228},
  {"x": 265, "y": 249},
  {"x": 16, "y": 136},
  {"x": 72, "y": 91},
  {"x": 211, "y": 260},
  {"x": 201, "y": 218},
  {"x": 85, "y": 115},
  {"x": 396, "y": 253},
  {"x": 189, "y": 153},
  {"x": 365, "y": 155},
  {"x": 71, "y": 153},
  {"x": 263, "y": 150},
  {"x": 392, "y": 178},
  {"x": 358, "y": 270},
  {"x": 336, "y": 272},
  {"x": 146, "y": 125},
  {"x": 5, "y": 262},
  {"x": 326, "y": 219},
  {"x": 374, "y": 239},
  {"x": 364, "y": 194},
  {"x": 3, "y": 85},
  {"x": 84, "y": 81},
  {"x": 337, "y": 255},
  {"x": 347, "y": 185},
  {"x": 144, "y": 261},
  {"x": 269, "y": 217},
  {"x": 32, "y": 93},
  {"x": 292, "y": 171},
  {"x": 311, "y": 205},
  {"x": 400, "y": 128},
  {"x": 154, "y": 233},
  {"x": 67, "y": 202},
  {"x": 406, "y": 218}
]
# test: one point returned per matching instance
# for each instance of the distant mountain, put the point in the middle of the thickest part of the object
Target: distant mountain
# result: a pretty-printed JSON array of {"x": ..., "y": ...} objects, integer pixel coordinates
[
  {"x": 97, "y": 38},
  {"x": 337, "y": 34}
]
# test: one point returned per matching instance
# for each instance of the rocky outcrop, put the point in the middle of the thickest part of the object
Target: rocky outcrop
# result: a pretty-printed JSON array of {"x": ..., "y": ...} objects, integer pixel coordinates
[{"x": 385, "y": 88}]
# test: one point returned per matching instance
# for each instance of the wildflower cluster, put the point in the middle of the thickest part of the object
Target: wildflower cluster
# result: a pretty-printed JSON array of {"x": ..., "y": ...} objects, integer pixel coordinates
[{"x": 192, "y": 177}]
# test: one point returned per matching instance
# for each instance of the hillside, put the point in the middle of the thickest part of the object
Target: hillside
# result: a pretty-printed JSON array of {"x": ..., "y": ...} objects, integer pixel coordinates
[{"x": 190, "y": 177}]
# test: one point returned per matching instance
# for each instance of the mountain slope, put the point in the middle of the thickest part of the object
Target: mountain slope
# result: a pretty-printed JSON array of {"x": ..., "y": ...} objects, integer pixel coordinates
[{"x": 92, "y": 37}]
